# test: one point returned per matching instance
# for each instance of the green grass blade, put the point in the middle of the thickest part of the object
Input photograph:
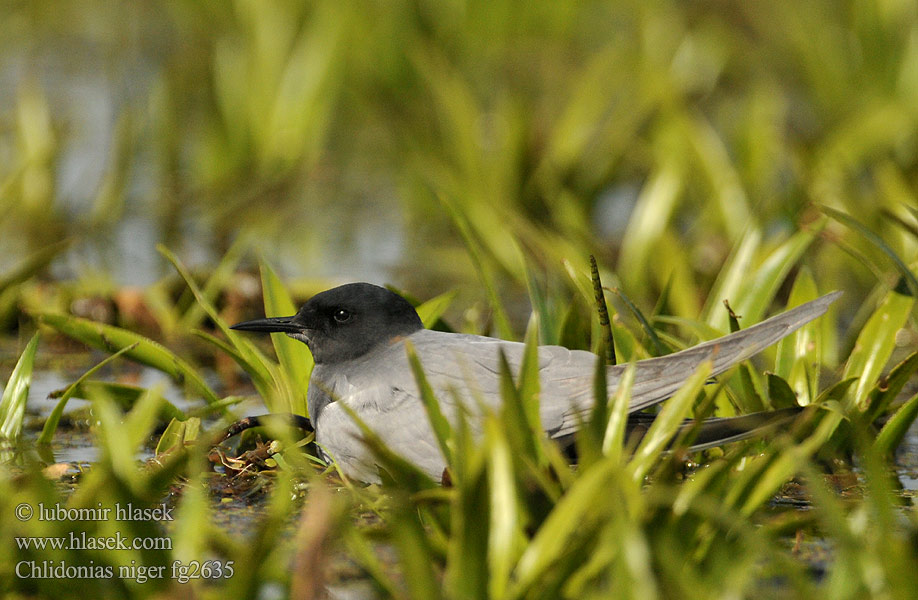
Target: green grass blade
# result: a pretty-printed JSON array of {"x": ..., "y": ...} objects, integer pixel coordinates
[
  {"x": 608, "y": 342},
  {"x": 766, "y": 279},
  {"x": 889, "y": 386},
  {"x": 897, "y": 427},
  {"x": 413, "y": 546},
  {"x": 467, "y": 542},
  {"x": 799, "y": 356},
  {"x": 431, "y": 311},
  {"x": 875, "y": 344},
  {"x": 177, "y": 432},
  {"x": 787, "y": 463},
  {"x": 47, "y": 432},
  {"x": 140, "y": 420},
  {"x": 505, "y": 537},
  {"x": 613, "y": 442},
  {"x": 878, "y": 242},
  {"x": 659, "y": 348},
  {"x": 515, "y": 416},
  {"x": 145, "y": 351},
  {"x": 667, "y": 423},
  {"x": 216, "y": 283},
  {"x": 528, "y": 381},
  {"x": 295, "y": 358},
  {"x": 439, "y": 424},
  {"x": 731, "y": 277},
  {"x": 16, "y": 393},
  {"x": 124, "y": 395},
  {"x": 568, "y": 517},
  {"x": 253, "y": 358},
  {"x": 780, "y": 394}
]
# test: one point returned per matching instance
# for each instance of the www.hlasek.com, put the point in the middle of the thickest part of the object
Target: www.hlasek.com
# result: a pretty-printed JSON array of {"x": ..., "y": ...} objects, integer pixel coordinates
[{"x": 83, "y": 541}]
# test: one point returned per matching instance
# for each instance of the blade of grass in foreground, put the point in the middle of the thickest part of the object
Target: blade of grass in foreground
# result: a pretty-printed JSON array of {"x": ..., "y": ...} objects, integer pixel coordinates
[
  {"x": 12, "y": 405},
  {"x": 253, "y": 362},
  {"x": 666, "y": 425},
  {"x": 145, "y": 351},
  {"x": 575, "y": 509},
  {"x": 889, "y": 386},
  {"x": 295, "y": 358},
  {"x": 895, "y": 429},
  {"x": 439, "y": 424},
  {"x": 177, "y": 433},
  {"x": 875, "y": 345},
  {"x": 505, "y": 536},
  {"x": 761, "y": 287},
  {"x": 878, "y": 242},
  {"x": 54, "y": 418},
  {"x": 431, "y": 310},
  {"x": 218, "y": 280},
  {"x": 731, "y": 277},
  {"x": 799, "y": 355}
]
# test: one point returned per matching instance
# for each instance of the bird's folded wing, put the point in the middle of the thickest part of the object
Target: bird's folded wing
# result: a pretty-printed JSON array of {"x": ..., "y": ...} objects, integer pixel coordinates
[{"x": 656, "y": 379}]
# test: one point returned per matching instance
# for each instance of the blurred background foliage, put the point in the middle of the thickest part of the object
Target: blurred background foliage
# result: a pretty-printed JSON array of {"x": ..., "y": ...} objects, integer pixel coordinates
[{"x": 381, "y": 140}]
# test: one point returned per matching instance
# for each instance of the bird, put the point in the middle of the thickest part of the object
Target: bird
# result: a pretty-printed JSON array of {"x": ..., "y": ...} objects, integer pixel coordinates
[{"x": 358, "y": 335}]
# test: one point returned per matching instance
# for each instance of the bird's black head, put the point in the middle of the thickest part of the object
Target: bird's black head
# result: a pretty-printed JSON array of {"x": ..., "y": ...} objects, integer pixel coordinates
[{"x": 345, "y": 322}]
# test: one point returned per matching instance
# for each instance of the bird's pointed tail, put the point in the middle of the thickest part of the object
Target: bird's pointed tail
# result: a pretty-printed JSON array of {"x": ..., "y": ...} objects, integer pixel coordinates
[{"x": 658, "y": 378}]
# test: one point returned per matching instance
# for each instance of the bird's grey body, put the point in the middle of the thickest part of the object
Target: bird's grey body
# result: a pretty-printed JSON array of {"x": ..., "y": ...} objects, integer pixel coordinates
[
  {"x": 462, "y": 370},
  {"x": 376, "y": 381}
]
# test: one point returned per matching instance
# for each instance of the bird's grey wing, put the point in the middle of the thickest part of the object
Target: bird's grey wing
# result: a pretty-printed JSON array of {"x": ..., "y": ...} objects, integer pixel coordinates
[
  {"x": 465, "y": 370},
  {"x": 402, "y": 425},
  {"x": 656, "y": 379}
]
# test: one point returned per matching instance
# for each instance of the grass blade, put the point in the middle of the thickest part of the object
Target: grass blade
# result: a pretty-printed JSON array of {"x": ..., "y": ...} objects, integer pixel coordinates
[
  {"x": 505, "y": 538},
  {"x": 295, "y": 358},
  {"x": 667, "y": 423},
  {"x": 603, "y": 310},
  {"x": 431, "y": 311},
  {"x": 875, "y": 344},
  {"x": 799, "y": 355},
  {"x": 878, "y": 242},
  {"x": 889, "y": 386},
  {"x": 264, "y": 374},
  {"x": 145, "y": 351},
  {"x": 896, "y": 427},
  {"x": 760, "y": 289},
  {"x": 124, "y": 395},
  {"x": 216, "y": 283},
  {"x": 16, "y": 393},
  {"x": 54, "y": 418},
  {"x": 613, "y": 442},
  {"x": 177, "y": 432},
  {"x": 659, "y": 348},
  {"x": 731, "y": 277},
  {"x": 439, "y": 424},
  {"x": 569, "y": 516}
]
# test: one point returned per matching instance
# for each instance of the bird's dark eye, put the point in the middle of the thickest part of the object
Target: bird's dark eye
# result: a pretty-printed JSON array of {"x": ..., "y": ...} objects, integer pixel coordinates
[{"x": 342, "y": 315}]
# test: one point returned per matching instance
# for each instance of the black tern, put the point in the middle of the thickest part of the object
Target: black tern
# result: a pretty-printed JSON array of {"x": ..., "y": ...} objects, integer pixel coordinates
[{"x": 357, "y": 334}]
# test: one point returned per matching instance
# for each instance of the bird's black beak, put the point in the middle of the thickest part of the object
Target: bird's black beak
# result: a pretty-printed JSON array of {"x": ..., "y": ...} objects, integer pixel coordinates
[{"x": 270, "y": 325}]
